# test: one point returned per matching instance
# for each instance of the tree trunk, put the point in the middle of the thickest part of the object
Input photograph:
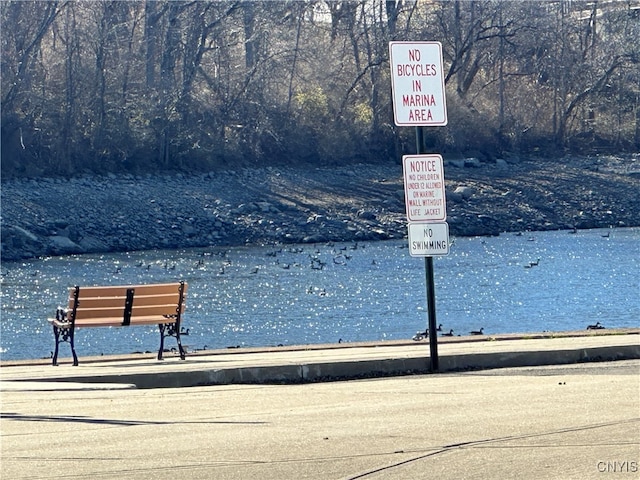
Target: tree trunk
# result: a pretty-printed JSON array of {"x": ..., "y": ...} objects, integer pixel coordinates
[
  {"x": 637, "y": 135},
  {"x": 151, "y": 18},
  {"x": 250, "y": 40},
  {"x": 167, "y": 81},
  {"x": 64, "y": 156}
]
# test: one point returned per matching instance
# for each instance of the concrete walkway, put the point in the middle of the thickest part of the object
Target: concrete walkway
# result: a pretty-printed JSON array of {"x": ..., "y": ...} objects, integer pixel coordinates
[{"x": 330, "y": 362}]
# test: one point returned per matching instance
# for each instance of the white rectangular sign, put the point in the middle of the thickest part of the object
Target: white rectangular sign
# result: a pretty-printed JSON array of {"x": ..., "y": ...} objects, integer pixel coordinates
[
  {"x": 424, "y": 190},
  {"x": 428, "y": 239},
  {"x": 417, "y": 83}
]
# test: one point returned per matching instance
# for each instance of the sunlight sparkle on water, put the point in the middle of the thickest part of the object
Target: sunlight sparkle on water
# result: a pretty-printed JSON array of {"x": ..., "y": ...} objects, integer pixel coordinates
[{"x": 377, "y": 293}]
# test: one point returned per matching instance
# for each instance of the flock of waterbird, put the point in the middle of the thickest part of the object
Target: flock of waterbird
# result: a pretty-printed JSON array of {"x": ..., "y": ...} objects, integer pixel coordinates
[
  {"x": 425, "y": 334},
  {"x": 316, "y": 261},
  {"x": 340, "y": 257}
]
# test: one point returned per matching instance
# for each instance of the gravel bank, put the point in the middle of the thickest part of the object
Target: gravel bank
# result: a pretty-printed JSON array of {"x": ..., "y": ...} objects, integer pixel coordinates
[{"x": 308, "y": 205}]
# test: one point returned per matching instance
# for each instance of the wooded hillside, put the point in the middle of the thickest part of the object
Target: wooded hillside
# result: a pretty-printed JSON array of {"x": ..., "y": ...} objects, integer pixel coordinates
[{"x": 141, "y": 86}]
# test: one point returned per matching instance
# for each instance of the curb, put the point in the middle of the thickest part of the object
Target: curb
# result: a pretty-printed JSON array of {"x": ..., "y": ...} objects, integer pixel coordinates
[{"x": 357, "y": 369}]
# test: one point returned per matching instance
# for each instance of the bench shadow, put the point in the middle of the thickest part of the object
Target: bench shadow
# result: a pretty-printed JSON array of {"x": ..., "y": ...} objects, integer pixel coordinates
[{"x": 108, "y": 421}]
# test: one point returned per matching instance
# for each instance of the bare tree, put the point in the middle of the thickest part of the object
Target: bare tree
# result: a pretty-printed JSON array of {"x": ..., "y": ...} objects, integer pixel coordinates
[
  {"x": 110, "y": 84},
  {"x": 21, "y": 47}
]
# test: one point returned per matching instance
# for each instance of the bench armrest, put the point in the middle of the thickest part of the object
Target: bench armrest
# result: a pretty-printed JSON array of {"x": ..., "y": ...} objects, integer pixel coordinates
[{"x": 61, "y": 314}]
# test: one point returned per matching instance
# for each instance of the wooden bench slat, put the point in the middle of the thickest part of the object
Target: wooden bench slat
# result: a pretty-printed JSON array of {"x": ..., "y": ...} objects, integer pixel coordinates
[
  {"x": 117, "y": 322},
  {"x": 136, "y": 311},
  {"x": 121, "y": 290},
  {"x": 98, "y": 302},
  {"x": 113, "y": 321}
]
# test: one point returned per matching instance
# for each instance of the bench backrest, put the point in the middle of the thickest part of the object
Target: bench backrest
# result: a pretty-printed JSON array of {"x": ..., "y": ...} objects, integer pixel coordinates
[{"x": 125, "y": 305}]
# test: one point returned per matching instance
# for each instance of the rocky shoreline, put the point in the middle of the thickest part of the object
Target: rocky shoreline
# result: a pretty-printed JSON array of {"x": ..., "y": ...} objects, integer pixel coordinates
[{"x": 115, "y": 213}]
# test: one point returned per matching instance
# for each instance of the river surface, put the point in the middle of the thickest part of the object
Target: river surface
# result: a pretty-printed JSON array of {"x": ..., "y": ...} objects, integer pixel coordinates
[{"x": 326, "y": 293}]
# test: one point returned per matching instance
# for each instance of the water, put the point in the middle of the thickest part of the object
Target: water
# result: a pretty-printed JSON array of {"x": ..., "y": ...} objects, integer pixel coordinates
[{"x": 309, "y": 294}]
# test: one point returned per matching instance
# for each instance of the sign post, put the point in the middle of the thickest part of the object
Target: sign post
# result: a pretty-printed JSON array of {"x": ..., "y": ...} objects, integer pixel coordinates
[
  {"x": 430, "y": 283},
  {"x": 418, "y": 91}
]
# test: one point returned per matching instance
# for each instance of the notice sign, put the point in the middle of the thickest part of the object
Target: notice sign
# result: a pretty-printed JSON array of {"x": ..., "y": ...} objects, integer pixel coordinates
[
  {"x": 424, "y": 188},
  {"x": 417, "y": 83},
  {"x": 428, "y": 239}
]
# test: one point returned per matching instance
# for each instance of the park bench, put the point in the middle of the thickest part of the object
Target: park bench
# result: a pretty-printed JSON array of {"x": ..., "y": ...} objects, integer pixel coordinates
[{"x": 159, "y": 304}]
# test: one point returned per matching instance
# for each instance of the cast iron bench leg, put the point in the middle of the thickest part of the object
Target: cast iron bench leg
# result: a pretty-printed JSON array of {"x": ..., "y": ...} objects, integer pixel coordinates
[
  {"x": 67, "y": 336},
  {"x": 182, "y": 355},
  {"x": 161, "y": 327},
  {"x": 56, "y": 334},
  {"x": 171, "y": 331},
  {"x": 73, "y": 349}
]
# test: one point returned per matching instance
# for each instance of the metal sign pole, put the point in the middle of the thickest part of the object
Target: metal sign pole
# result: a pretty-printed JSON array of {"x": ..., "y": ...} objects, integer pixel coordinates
[
  {"x": 431, "y": 308},
  {"x": 431, "y": 291}
]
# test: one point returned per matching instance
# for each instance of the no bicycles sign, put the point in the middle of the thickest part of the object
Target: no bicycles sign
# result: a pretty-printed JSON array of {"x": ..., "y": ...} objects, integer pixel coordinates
[{"x": 417, "y": 84}]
